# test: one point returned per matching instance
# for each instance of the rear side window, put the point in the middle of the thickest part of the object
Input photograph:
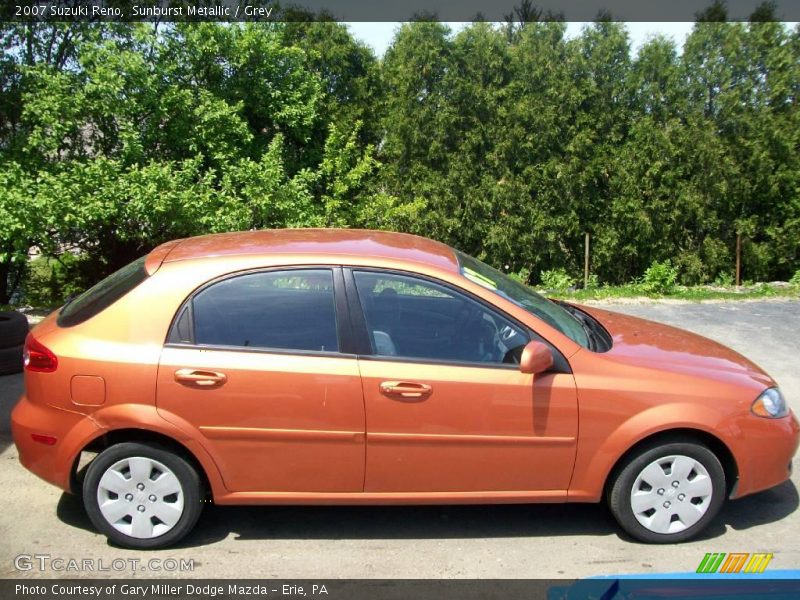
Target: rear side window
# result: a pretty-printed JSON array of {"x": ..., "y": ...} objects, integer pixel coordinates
[
  {"x": 284, "y": 310},
  {"x": 99, "y": 297}
]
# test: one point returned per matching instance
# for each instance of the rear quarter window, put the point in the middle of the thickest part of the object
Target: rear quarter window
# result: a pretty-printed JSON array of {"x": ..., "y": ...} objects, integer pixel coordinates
[{"x": 99, "y": 297}]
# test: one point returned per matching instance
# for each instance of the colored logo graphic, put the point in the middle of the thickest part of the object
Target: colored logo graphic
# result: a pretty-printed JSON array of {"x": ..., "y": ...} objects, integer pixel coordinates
[{"x": 736, "y": 562}]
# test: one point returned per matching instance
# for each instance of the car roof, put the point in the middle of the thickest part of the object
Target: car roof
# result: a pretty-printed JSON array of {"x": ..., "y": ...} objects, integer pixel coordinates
[{"x": 314, "y": 243}]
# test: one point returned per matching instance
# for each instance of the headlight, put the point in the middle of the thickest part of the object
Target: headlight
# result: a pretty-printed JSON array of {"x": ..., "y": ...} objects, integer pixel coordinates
[{"x": 770, "y": 404}]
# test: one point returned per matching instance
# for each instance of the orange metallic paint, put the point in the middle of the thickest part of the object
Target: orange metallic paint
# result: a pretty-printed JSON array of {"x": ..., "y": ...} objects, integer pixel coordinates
[
  {"x": 481, "y": 429},
  {"x": 657, "y": 378},
  {"x": 53, "y": 463},
  {"x": 299, "y": 428},
  {"x": 280, "y": 422},
  {"x": 88, "y": 390},
  {"x": 536, "y": 358}
]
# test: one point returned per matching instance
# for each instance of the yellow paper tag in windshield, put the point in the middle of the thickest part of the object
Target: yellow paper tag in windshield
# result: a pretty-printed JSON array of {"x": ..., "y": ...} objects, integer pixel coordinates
[{"x": 476, "y": 277}]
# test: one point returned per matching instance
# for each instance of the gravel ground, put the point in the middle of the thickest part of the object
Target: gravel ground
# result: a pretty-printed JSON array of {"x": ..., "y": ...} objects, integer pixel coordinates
[{"x": 547, "y": 541}]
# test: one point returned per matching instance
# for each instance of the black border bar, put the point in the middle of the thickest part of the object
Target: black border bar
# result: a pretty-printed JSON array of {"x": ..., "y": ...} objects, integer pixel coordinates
[
  {"x": 729, "y": 588},
  {"x": 383, "y": 10}
]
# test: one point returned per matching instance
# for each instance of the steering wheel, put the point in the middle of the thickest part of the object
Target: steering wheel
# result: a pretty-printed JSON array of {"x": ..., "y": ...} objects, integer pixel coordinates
[
  {"x": 506, "y": 333},
  {"x": 471, "y": 332},
  {"x": 512, "y": 352}
]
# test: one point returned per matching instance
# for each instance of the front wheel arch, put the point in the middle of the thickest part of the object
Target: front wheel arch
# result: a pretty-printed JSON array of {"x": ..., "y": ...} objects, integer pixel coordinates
[{"x": 717, "y": 446}]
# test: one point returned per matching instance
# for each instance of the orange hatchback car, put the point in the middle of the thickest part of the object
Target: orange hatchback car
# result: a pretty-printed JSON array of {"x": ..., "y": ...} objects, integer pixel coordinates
[{"x": 365, "y": 367}]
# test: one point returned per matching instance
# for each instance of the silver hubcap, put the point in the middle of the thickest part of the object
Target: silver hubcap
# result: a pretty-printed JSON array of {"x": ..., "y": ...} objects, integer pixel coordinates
[
  {"x": 140, "y": 497},
  {"x": 671, "y": 494}
]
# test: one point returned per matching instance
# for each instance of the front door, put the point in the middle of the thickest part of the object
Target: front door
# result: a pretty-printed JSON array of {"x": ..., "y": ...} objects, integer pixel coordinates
[
  {"x": 447, "y": 408},
  {"x": 253, "y": 363}
]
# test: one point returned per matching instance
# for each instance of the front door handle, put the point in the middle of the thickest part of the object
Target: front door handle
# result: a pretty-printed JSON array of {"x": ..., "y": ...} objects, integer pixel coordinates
[
  {"x": 405, "y": 390},
  {"x": 198, "y": 378}
]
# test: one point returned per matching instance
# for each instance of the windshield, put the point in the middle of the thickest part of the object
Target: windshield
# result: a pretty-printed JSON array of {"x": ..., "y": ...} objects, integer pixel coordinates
[{"x": 523, "y": 296}]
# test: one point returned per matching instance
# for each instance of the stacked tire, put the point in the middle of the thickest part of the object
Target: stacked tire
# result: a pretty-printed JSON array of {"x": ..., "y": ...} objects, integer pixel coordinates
[{"x": 13, "y": 330}]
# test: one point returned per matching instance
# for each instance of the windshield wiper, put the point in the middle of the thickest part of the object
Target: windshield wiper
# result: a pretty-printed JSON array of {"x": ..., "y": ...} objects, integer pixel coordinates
[{"x": 592, "y": 337}]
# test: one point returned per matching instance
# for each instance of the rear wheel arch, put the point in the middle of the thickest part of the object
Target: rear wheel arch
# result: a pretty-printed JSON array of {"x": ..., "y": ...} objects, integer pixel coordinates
[
  {"x": 144, "y": 436},
  {"x": 684, "y": 434}
]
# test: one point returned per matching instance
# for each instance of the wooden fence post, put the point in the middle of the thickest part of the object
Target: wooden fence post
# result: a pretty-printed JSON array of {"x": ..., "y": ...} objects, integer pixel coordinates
[
  {"x": 738, "y": 259},
  {"x": 586, "y": 262}
]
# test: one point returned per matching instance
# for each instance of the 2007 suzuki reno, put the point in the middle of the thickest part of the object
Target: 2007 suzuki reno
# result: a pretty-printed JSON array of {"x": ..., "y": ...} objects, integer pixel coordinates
[{"x": 365, "y": 367}]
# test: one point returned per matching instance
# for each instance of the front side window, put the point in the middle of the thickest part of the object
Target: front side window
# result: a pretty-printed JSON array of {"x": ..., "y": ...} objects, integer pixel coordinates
[
  {"x": 284, "y": 310},
  {"x": 415, "y": 318}
]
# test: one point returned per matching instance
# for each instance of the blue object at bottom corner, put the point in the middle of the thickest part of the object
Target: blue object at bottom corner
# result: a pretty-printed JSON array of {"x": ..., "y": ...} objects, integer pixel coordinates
[{"x": 776, "y": 585}]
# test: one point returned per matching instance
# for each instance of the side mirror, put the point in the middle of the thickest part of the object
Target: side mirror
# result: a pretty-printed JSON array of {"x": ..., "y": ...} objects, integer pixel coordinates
[{"x": 536, "y": 358}]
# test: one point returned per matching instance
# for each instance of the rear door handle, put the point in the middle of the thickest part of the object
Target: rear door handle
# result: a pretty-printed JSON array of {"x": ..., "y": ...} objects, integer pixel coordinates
[
  {"x": 198, "y": 378},
  {"x": 405, "y": 390}
]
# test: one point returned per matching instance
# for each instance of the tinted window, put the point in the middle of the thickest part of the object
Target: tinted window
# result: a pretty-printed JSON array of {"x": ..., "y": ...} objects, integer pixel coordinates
[
  {"x": 104, "y": 294},
  {"x": 290, "y": 310},
  {"x": 415, "y": 318}
]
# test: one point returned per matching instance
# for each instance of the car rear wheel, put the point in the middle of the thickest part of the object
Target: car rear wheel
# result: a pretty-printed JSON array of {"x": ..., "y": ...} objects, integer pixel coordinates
[
  {"x": 142, "y": 496},
  {"x": 668, "y": 493}
]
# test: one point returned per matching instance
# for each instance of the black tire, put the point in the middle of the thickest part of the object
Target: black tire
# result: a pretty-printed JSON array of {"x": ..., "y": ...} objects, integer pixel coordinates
[
  {"x": 186, "y": 474},
  {"x": 13, "y": 329},
  {"x": 619, "y": 496},
  {"x": 10, "y": 360}
]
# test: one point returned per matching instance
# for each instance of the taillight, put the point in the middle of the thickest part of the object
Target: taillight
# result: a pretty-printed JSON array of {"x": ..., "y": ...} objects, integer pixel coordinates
[{"x": 38, "y": 357}]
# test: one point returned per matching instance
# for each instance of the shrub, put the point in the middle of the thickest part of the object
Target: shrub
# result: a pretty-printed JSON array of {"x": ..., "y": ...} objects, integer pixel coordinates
[
  {"x": 523, "y": 275},
  {"x": 659, "y": 278},
  {"x": 50, "y": 281},
  {"x": 557, "y": 280},
  {"x": 724, "y": 279},
  {"x": 691, "y": 267},
  {"x": 795, "y": 280}
]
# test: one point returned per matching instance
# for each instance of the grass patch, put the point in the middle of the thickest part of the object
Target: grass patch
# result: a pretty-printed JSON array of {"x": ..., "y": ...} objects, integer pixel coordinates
[{"x": 689, "y": 293}]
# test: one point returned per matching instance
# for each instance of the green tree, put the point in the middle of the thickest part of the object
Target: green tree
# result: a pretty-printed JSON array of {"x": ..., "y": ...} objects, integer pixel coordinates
[{"x": 508, "y": 141}]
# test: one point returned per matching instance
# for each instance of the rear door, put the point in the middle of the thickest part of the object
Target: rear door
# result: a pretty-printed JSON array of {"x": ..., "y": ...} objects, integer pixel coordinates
[{"x": 254, "y": 361}]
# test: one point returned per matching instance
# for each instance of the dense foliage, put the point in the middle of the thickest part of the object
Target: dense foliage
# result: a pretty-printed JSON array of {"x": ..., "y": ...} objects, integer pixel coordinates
[{"x": 507, "y": 141}]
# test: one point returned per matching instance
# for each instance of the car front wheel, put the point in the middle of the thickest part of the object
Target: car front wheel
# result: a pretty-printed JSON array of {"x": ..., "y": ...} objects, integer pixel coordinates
[
  {"x": 668, "y": 493},
  {"x": 142, "y": 496}
]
